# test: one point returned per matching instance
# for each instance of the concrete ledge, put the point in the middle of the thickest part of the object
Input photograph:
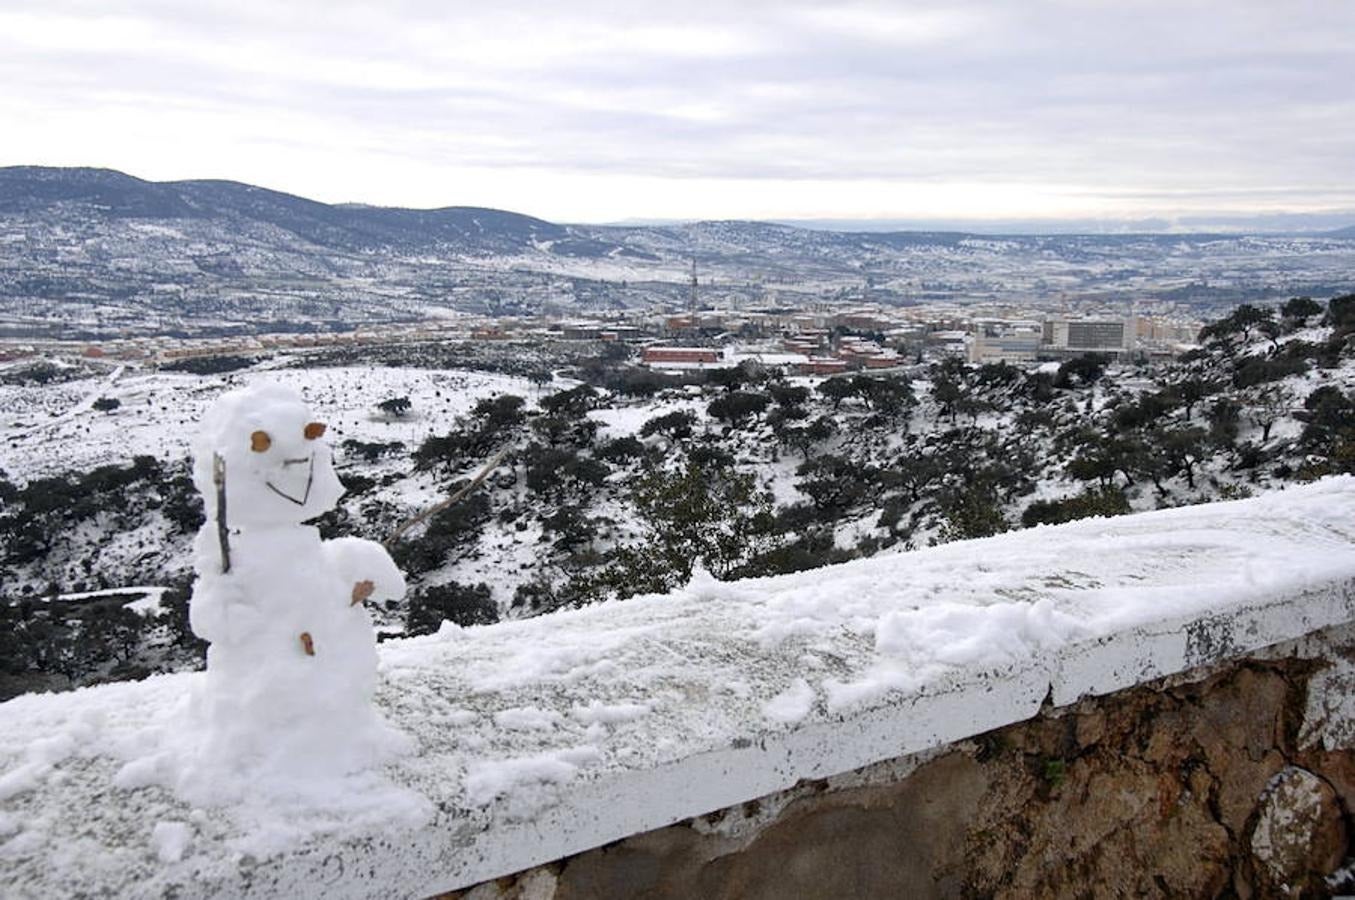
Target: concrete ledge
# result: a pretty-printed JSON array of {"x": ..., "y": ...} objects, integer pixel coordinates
[{"x": 543, "y": 738}]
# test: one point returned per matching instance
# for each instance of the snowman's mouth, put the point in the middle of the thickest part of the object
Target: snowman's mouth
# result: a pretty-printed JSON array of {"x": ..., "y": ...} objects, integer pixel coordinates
[{"x": 309, "y": 462}]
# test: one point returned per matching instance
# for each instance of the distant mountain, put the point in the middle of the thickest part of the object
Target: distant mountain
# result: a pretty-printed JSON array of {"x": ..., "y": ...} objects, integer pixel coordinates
[
  {"x": 113, "y": 195},
  {"x": 1347, "y": 232},
  {"x": 93, "y": 251},
  {"x": 32, "y": 189}
]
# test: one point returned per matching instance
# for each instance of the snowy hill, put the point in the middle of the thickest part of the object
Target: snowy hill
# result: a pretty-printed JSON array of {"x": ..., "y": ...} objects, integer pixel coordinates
[
  {"x": 615, "y": 479},
  {"x": 93, "y": 250},
  {"x": 110, "y": 195},
  {"x": 543, "y": 738}
]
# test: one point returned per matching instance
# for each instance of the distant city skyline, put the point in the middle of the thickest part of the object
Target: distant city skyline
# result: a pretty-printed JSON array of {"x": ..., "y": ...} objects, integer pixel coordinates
[{"x": 1180, "y": 116}]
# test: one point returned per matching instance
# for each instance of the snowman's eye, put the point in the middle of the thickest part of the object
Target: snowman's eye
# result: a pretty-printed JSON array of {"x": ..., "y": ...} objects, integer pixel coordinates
[
  {"x": 259, "y": 441},
  {"x": 314, "y": 430}
]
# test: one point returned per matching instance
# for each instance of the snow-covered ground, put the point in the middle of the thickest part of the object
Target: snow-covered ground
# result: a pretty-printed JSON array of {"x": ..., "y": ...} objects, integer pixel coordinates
[
  {"x": 159, "y": 411},
  {"x": 50, "y": 429},
  {"x": 543, "y": 737}
]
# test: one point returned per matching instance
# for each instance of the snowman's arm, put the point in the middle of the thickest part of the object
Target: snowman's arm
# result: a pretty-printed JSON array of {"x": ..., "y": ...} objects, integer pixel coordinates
[{"x": 357, "y": 560}]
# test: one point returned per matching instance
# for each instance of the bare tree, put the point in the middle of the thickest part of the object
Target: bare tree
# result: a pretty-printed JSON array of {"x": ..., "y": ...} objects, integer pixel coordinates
[{"x": 1272, "y": 403}]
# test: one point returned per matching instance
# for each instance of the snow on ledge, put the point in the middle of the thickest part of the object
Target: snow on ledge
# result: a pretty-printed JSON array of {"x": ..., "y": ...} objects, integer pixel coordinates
[{"x": 542, "y": 738}]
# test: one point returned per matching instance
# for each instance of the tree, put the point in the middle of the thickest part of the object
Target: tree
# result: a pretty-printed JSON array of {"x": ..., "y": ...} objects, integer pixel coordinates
[
  {"x": 461, "y": 604},
  {"x": 564, "y": 431},
  {"x": 1341, "y": 313},
  {"x": 498, "y": 414},
  {"x": 737, "y": 407},
  {"x": 540, "y": 378},
  {"x": 572, "y": 528},
  {"x": 708, "y": 513},
  {"x": 1105, "y": 501},
  {"x": 1191, "y": 391},
  {"x": 573, "y": 403},
  {"x": 836, "y": 484},
  {"x": 889, "y": 396},
  {"x": 1270, "y": 404},
  {"x": 1328, "y": 416},
  {"x": 1039, "y": 387},
  {"x": 1246, "y": 317},
  {"x": 1223, "y": 417},
  {"x": 972, "y": 511},
  {"x": 914, "y": 471},
  {"x": 676, "y": 425},
  {"x": 559, "y": 471},
  {"x": 1174, "y": 451},
  {"x": 1300, "y": 309},
  {"x": 1240, "y": 321},
  {"x": 1146, "y": 410},
  {"x": 805, "y": 437},
  {"x": 971, "y": 406},
  {"x": 395, "y": 406},
  {"x": 836, "y": 390},
  {"x": 108, "y": 630},
  {"x": 948, "y": 386},
  {"x": 1254, "y": 370},
  {"x": 448, "y": 531},
  {"x": 1085, "y": 369},
  {"x": 788, "y": 396},
  {"x": 998, "y": 374},
  {"x": 1100, "y": 458},
  {"x": 1272, "y": 331},
  {"x": 622, "y": 449}
]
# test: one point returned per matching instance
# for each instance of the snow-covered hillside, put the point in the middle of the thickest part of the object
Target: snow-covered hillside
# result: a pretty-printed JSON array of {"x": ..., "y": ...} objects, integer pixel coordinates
[
  {"x": 97, "y": 251},
  {"x": 615, "y": 481}
]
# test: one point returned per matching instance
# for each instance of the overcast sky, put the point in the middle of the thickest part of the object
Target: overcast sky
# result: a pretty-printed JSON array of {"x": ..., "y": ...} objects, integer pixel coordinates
[{"x": 579, "y": 111}]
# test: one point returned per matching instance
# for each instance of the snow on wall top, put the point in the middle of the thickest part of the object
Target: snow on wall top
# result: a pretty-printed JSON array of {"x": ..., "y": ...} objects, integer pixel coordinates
[{"x": 545, "y": 737}]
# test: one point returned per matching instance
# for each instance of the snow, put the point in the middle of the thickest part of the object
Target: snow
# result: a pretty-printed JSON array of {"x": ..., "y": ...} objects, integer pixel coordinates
[
  {"x": 623, "y": 421},
  {"x": 597, "y": 712},
  {"x": 792, "y": 704},
  {"x": 534, "y": 739},
  {"x": 160, "y": 410},
  {"x": 153, "y": 594},
  {"x": 916, "y": 644},
  {"x": 529, "y": 718},
  {"x": 170, "y": 840},
  {"x": 23, "y": 778},
  {"x": 487, "y": 781}
]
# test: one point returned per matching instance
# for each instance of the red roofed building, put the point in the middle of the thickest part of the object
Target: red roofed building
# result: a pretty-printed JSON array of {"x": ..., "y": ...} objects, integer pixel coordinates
[
  {"x": 822, "y": 365},
  {"x": 660, "y": 355}
]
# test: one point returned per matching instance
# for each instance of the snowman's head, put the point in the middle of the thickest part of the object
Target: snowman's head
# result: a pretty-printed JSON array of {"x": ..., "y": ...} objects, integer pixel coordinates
[{"x": 278, "y": 469}]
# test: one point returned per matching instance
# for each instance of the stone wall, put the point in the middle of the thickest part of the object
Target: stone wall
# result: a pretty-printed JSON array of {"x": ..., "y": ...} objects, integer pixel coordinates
[{"x": 1231, "y": 780}]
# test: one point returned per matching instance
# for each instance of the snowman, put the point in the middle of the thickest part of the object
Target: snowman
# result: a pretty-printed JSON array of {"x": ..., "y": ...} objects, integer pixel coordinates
[{"x": 291, "y": 666}]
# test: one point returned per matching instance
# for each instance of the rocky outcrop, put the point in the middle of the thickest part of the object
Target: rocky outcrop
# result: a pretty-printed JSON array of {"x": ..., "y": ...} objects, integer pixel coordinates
[{"x": 1217, "y": 784}]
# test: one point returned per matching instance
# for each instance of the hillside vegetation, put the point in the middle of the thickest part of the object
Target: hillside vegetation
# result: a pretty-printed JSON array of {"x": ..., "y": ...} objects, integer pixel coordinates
[{"x": 617, "y": 480}]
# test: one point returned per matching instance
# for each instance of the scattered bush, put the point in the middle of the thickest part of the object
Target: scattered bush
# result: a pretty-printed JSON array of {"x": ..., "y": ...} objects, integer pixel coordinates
[
  {"x": 460, "y": 604},
  {"x": 1106, "y": 501}
]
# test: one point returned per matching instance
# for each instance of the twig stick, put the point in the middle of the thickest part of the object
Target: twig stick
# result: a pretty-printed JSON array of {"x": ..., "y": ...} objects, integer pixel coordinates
[
  {"x": 439, "y": 507},
  {"x": 222, "y": 533}
]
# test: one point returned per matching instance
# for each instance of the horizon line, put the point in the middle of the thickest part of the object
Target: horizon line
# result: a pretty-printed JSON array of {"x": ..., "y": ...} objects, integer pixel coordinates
[{"x": 1283, "y": 223}]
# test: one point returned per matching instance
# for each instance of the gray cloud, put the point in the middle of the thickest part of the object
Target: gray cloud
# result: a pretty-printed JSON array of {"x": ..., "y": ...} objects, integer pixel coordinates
[{"x": 1147, "y": 108}]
